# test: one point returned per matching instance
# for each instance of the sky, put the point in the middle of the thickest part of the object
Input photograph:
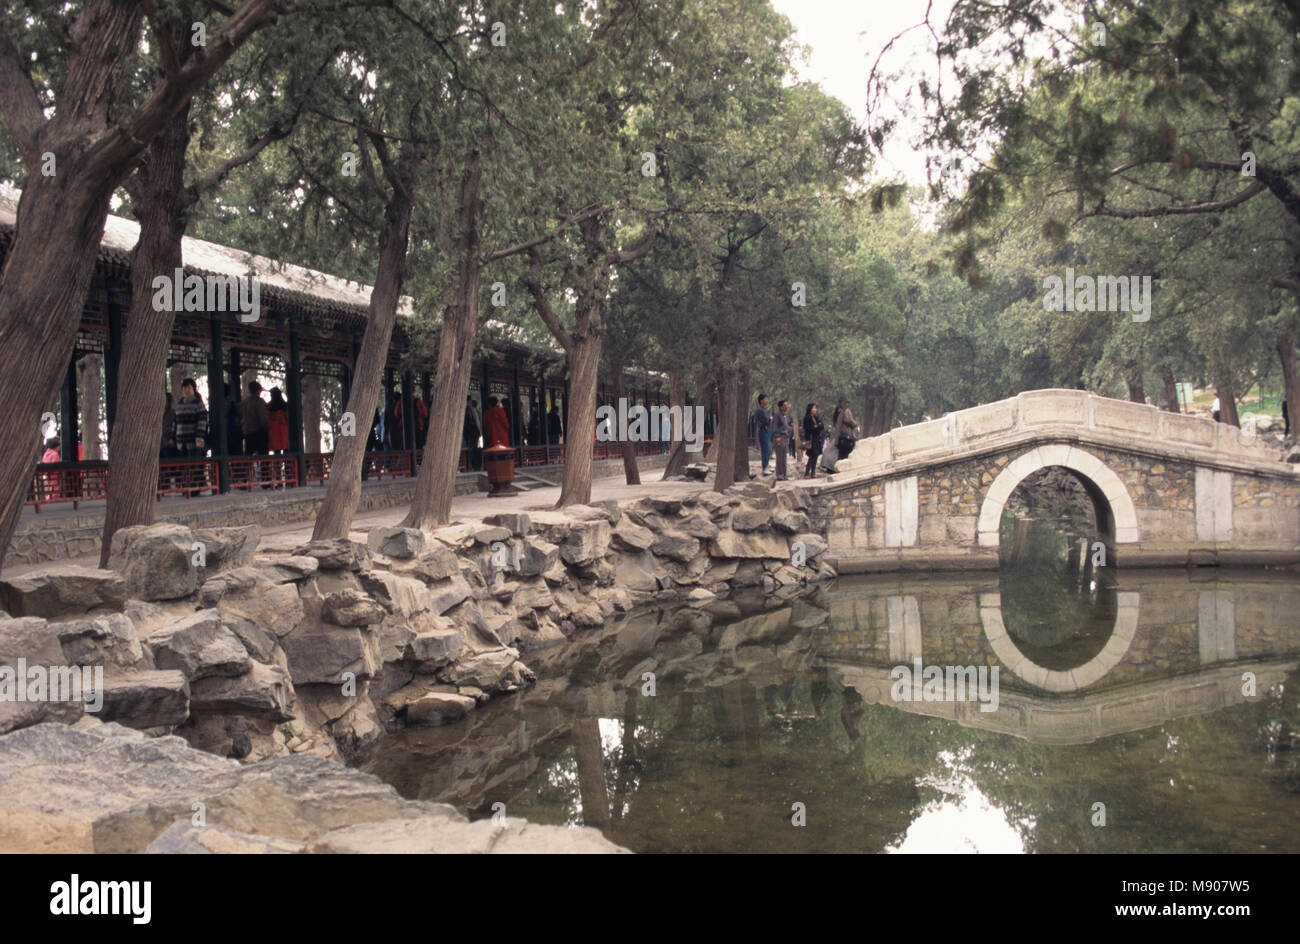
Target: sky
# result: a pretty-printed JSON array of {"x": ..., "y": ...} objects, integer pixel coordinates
[{"x": 845, "y": 37}]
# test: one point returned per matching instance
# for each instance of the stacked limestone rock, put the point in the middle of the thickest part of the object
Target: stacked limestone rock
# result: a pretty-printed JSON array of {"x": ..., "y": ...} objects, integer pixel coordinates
[{"x": 320, "y": 650}]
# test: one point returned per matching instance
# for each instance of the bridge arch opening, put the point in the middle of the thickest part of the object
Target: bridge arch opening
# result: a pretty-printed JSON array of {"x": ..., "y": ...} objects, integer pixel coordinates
[{"x": 1114, "y": 513}]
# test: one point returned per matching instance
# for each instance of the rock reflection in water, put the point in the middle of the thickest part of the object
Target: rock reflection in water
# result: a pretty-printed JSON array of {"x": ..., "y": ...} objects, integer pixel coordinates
[{"x": 758, "y": 707}]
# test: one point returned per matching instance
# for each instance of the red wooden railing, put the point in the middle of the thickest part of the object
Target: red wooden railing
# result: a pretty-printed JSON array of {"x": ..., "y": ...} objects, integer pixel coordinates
[{"x": 75, "y": 482}]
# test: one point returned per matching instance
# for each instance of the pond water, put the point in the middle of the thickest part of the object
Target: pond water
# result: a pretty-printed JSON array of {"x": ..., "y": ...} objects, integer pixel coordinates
[{"x": 1145, "y": 712}]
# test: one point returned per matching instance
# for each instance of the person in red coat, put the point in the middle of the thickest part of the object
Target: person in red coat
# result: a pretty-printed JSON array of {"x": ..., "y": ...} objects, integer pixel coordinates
[
  {"x": 496, "y": 425},
  {"x": 278, "y": 417}
]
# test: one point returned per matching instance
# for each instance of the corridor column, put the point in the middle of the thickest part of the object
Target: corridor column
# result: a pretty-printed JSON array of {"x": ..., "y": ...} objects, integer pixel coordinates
[
  {"x": 217, "y": 408},
  {"x": 112, "y": 357},
  {"x": 68, "y": 421},
  {"x": 293, "y": 383}
]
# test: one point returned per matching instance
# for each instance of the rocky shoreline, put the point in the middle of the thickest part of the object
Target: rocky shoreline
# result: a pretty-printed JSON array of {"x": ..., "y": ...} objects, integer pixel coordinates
[{"x": 312, "y": 656}]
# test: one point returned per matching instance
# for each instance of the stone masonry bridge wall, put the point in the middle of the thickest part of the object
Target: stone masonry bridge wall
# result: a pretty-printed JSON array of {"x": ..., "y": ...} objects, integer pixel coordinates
[{"x": 1169, "y": 490}]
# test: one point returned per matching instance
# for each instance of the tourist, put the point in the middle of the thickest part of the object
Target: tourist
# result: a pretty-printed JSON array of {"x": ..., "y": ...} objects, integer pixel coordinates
[
  {"x": 496, "y": 425},
  {"x": 421, "y": 421},
  {"x": 782, "y": 431},
  {"x": 191, "y": 434},
  {"x": 814, "y": 431},
  {"x": 255, "y": 421},
  {"x": 472, "y": 435},
  {"x": 191, "y": 422},
  {"x": 1214, "y": 408},
  {"x": 277, "y": 423},
  {"x": 554, "y": 426},
  {"x": 846, "y": 429},
  {"x": 51, "y": 481},
  {"x": 763, "y": 421}
]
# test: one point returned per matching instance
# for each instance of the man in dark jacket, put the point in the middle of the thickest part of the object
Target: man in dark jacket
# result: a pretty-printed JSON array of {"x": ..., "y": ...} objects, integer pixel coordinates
[
  {"x": 554, "y": 425},
  {"x": 255, "y": 421}
]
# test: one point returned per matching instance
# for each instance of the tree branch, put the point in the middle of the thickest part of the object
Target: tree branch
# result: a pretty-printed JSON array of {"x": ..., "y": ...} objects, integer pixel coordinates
[
  {"x": 533, "y": 281},
  {"x": 19, "y": 102}
]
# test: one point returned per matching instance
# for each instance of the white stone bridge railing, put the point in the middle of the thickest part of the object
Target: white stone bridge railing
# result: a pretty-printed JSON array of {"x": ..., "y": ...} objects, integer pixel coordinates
[{"x": 1055, "y": 416}]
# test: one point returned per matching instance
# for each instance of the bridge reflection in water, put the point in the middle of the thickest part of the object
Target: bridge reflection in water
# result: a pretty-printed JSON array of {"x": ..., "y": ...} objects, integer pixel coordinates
[{"x": 1143, "y": 704}]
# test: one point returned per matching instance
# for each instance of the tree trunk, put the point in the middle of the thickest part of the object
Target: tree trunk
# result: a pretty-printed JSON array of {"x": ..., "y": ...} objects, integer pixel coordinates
[
  {"x": 1171, "y": 392},
  {"x": 91, "y": 383},
  {"x": 1290, "y": 373},
  {"x": 48, "y": 269},
  {"x": 741, "y": 428},
  {"x": 160, "y": 204},
  {"x": 1227, "y": 403},
  {"x": 61, "y": 217},
  {"x": 334, "y": 520},
  {"x": 1136, "y": 393},
  {"x": 584, "y": 368},
  {"x": 310, "y": 413},
  {"x": 436, "y": 484},
  {"x": 880, "y": 410},
  {"x": 724, "y": 436},
  {"x": 631, "y": 473},
  {"x": 677, "y": 454}
]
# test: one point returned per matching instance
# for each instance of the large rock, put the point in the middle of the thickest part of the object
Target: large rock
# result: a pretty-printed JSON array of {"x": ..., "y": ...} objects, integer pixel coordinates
[
  {"x": 516, "y": 523},
  {"x": 631, "y": 536},
  {"x": 57, "y": 780},
  {"x": 791, "y": 522},
  {"x": 286, "y": 567},
  {"x": 449, "y": 593},
  {"x": 537, "y": 557},
  {"x": 749, "y": 544},
  {"x": 276, "y": 609},
  {"x": 453, "y": 834},
  {"x": 586, "y": 543},
  {"x": 698, "y": 526},
  {"x": 750, "y": 519},
  {"x": 263, "y": 692},
  {"x": 324, "y": 656},
  {"x": 184, "y": 838},
  {"x": 350, "y": 607},
  {"x": 399, "y": 543},
  {"x": 335, "y": 554},
  {"x": 200, "y": 646},
  {"x": 401, "y": 596},
  {"x": 225, "y": 548},
  {"x": 437, "y": 708},
  {"x": 437, "y": 563},
  {"x": 637, "y": 572},
  {"x": 676, "y": 546},
  {"x": 60, "y": 590},
  {"x": 31, "y": 641},
  {"x": 108, "y": 640},
  {"x": 259, "y": 642},
  {"x": 489, "y": 671},
  {"x": 814, "y": 545},
  {"x": 294, "y": 797},
  {"x": 146, "y": 699},
  {"x": 158, "y": 561},
  {"x": 434, "y": 646}
]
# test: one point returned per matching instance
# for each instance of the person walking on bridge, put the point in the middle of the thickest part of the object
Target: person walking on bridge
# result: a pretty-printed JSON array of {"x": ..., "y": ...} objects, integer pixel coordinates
[
  {"x": 814, "y": 432},
  {"x": 846, "y": 429}
]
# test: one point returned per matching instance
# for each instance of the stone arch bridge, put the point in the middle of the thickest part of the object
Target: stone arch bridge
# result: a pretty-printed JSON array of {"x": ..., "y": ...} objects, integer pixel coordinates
[{"x": 1167, "y": 489}]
